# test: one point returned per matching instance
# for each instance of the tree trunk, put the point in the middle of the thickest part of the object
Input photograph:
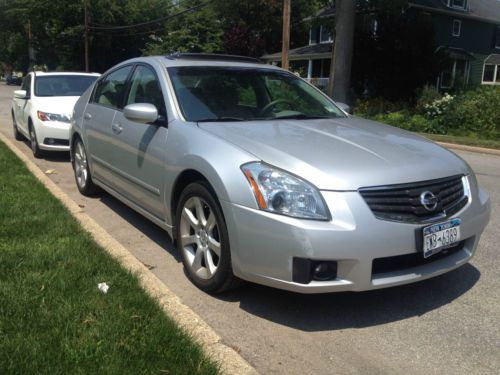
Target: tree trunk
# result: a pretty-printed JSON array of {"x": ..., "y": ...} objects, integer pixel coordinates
[{"x": 340, "y": 68}]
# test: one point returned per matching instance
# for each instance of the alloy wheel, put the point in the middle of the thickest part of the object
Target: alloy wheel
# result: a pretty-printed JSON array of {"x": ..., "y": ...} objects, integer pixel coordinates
[
  {"x": 200, "y": 237},
  {"x": 81, "y": 166}
]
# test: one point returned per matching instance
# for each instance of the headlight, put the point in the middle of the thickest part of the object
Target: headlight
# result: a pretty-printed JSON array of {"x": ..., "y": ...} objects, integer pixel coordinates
[
  {"x": 280, "y": 192},
  {"x": 44, "y": 116}
]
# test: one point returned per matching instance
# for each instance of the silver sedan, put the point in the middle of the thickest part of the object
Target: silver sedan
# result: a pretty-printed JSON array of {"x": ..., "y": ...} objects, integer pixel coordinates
[{"x": 259, "y": 176}]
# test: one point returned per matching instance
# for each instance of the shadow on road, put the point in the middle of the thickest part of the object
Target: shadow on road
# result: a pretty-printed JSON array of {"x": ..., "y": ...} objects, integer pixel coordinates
[
  {"x": 320, "y": 312},
  {"x": 148, "y": 228}
]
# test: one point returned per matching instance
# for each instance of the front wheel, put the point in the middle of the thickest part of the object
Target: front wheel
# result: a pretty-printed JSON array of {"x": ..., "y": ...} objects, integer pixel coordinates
[
  {"x": 81, "y": 169},
  {"x": 203, "y": 240},
  {"x": 17, "y": 134},
  {"x": 35, "y": 148}
]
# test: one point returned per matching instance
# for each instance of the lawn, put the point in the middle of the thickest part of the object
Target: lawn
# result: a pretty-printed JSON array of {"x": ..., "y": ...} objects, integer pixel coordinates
[
  {"x": 53, "y": 318},
  {"x": 468, "y": 141}
]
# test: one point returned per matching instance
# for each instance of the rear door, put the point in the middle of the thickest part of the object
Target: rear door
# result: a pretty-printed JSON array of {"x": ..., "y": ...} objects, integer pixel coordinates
[
  {"x": 98, "y": 121},
  {"x": 140, "y": 148}
]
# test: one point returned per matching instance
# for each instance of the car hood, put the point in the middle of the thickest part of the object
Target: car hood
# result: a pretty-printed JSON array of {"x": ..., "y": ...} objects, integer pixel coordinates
[
  {"x": 341, "y": 154},
  {"x": 62, "y": 105}
]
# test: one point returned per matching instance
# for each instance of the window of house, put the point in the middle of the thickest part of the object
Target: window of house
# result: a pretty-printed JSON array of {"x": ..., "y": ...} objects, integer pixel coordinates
[
  {"x": 456, "y": 75},
  {"x": 497, "y": 37},
  {"x": 314, "y": 34},
  {"x": 457, "y": 26},
  {"x": 491, "y": 74},
  {"x": 461, "y": 4},
  {"x": 325, "y": 35}
]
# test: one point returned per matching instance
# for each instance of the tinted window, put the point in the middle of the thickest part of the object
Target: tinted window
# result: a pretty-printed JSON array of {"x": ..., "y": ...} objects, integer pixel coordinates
[
  {"x": 217, "y": 93},
  {"x": 62, "y": 85},
  {"x": 145, "y": 88},
  {"x": 109, "y": 90},
  {"x": 27, "y": 84}
]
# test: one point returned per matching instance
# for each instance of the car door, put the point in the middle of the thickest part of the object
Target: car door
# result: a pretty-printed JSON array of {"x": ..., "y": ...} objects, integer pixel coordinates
[
  {"x": 98, "y": 120},
  {"x": 23, "y": 106},
  {"x": 140, "y": 148}
]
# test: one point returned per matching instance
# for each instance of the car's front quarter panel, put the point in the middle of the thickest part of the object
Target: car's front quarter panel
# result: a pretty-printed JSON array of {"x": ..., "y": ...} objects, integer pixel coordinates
[{"x": 191, "y": 148}]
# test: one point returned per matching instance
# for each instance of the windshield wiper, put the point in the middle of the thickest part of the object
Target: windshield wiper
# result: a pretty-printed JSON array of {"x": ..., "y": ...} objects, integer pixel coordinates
[
  {"x": 221, "y": 119},
  {"x": 301, "y": 116}
]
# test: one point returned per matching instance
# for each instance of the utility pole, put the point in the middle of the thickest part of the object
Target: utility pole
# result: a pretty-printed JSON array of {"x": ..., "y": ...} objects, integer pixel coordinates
[
  {"x": 340, "y": 68},
  {"x": 31, "y": 52},
  {"x": 86, "y": 34},
  {"x": 286, "y": 34}
]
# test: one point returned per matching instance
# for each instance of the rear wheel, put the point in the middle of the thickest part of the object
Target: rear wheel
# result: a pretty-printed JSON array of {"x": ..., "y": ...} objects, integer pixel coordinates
[
  {"x": 203, "y": 240},
  {"x": 35, "y": 148},
  {"x": 82, "y": 172},
  {"x": 17, "y": 135}
]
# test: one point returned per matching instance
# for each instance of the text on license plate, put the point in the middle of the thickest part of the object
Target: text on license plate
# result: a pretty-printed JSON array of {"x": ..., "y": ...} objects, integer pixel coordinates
[{"x": 439, "y": 236}]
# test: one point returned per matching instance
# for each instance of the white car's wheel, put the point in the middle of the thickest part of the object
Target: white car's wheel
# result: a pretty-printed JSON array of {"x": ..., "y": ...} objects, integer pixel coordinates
[
  {"x": 35, "y": 148},
  {"x": 17, "y": 134}
]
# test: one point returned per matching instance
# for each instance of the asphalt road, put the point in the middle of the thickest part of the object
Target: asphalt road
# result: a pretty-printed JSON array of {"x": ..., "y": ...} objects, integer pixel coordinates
[{"x": 449, "y": 324}]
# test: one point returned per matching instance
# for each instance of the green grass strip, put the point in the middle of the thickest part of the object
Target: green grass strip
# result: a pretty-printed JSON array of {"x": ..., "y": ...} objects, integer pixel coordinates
[
  {"x": 53, "y": 318},
  {"x": 461, "y": 140}
]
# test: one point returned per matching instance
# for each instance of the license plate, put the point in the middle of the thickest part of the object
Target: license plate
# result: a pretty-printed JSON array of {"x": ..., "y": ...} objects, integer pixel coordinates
[{"x": 440, "y": 236}]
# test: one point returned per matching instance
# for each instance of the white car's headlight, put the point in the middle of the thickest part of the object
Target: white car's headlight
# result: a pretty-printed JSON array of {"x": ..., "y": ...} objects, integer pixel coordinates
[
  {"x": 45, "y": 116},
  {"x": 280, "y": 192}
]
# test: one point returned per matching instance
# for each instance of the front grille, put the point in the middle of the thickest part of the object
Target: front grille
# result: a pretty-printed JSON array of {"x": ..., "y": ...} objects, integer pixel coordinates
[
  {"x": 403, "y": 262},
  {"x": 402, "y": 202}
]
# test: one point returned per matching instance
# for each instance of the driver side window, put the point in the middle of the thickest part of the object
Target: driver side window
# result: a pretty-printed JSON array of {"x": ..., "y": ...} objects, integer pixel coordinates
[
  {"x": 27, "y": 84},
  {"x": 145, "y": 88}
]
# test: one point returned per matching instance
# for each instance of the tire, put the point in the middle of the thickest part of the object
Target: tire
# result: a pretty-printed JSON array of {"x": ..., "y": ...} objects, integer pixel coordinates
[
  {"x": 81, "y": 170},
  {"x": 17, "y": 135},
  {"x": 203, "y": 240},
  {"x": 35, "y": 148}
]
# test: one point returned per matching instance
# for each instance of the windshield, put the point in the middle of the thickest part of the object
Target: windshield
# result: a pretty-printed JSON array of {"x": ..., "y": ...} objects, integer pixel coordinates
[
  {"x": 243, "y": 94},
  {"x": 62, "y": 85}
]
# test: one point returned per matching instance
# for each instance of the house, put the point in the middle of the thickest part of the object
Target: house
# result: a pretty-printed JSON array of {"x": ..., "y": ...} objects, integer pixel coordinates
[{"x": 468, "y": 31}]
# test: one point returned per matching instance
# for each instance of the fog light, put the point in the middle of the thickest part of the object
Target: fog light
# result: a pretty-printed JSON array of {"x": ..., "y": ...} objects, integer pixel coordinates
[
  {"x": 49, "y": 141},
  {"x": 305, "y": 270},
  {"x": 324, "y": 271}
]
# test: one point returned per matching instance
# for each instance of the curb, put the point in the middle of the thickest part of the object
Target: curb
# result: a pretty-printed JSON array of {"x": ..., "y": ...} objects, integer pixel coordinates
[
  {"x": 481, "y": 150},
  {"x": 230, "y": 362}
]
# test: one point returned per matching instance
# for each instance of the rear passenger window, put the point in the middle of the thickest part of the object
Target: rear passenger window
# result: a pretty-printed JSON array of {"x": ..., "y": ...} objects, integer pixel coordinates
[
  {"x": 109, "y": 90},
  {"x": 145, "y": 88}
]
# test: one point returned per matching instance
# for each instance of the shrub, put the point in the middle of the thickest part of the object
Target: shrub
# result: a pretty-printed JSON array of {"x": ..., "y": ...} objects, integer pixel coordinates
[
  {"x": 377, "y": 106},
  {"x": 426, "y": 95},
  {"x": 474, "y": 111},
  {"x": 438, "y": 106}
]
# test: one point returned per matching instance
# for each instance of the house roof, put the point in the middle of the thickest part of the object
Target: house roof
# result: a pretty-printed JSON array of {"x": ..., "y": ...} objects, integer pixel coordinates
[
  {"x": 314, "y": 51},
  {"x": 483, "y": 10},
  {"x": 493, "y": 59}
]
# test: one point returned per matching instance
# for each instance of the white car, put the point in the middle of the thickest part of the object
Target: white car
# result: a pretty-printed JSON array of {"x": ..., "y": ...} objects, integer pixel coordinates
[{"x": 42, "y": 108}]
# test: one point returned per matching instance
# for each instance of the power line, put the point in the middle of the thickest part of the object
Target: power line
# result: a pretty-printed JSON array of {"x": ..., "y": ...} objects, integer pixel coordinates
[{"x": 161, "y": 19}]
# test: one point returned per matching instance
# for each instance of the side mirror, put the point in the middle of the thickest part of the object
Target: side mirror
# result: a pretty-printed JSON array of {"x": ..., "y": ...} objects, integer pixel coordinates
[
  {"x": 345, "y": 107},
  {"x": 21, "y": 94},
  {"x": 144, "y": 113}
]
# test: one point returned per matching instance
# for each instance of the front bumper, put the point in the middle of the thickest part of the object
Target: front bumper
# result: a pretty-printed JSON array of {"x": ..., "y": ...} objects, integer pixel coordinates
[
  {"x": 264, "y": 244},
  {"x": 52, "y": 135}
]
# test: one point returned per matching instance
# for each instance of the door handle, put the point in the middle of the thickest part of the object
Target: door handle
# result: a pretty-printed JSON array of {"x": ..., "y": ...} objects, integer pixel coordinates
[
  {"x": 117, "y": 128},
  {"x": 87, "y": 116}
]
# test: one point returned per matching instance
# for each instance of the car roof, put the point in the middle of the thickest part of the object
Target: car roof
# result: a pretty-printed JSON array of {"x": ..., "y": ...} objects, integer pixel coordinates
[{"x": 202, "y": 60}]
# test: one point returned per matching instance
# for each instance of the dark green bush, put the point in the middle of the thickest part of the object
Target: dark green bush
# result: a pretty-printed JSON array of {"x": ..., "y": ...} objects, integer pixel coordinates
[
  {"x": 377, "y": 106},
  {"x": 476, "y": 111},
  {"x": 426, "y": 95}
]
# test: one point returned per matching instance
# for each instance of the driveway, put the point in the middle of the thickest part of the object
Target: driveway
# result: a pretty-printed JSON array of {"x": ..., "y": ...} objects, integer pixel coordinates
[{"x": 449, "y": 324}]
